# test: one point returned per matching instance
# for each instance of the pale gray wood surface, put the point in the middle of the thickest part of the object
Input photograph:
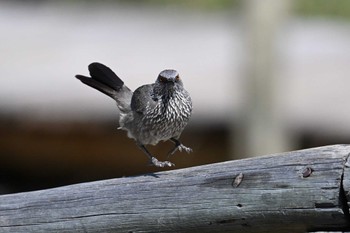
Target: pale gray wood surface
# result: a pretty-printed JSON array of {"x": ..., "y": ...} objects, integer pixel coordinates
[{"x": 271, "y": 193}]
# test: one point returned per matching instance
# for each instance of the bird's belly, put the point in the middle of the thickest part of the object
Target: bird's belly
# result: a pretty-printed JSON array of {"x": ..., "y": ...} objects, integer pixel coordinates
[
  {"x": 150, "y": 131},
  {"x": 157, "y": 124},
  {"x": 161, "y": 131}
]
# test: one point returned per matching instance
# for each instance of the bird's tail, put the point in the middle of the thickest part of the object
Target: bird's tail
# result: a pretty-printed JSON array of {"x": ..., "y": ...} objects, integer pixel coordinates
[{"x": 106, "y": 81}]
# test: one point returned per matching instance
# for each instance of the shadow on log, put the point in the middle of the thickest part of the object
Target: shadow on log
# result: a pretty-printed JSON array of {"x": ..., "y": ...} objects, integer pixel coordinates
[{"x": 299, "y": 191}]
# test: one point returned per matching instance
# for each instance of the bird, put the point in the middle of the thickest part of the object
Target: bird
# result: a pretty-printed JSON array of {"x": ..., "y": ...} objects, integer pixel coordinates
[{"x": 152, "y": 113}]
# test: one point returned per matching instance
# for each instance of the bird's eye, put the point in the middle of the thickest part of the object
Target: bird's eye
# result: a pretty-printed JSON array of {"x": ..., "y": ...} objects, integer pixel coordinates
[
  {"x": 177, "y": 78},
  {"x": 162, "y": 79}
]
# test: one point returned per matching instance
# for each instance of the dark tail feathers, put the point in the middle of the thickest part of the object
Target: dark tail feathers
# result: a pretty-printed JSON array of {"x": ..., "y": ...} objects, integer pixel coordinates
[{"x": 102, "y": 79}]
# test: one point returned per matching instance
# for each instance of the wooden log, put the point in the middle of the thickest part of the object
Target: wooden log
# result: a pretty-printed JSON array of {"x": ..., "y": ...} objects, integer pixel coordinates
[{"x": 290, "y": 192}]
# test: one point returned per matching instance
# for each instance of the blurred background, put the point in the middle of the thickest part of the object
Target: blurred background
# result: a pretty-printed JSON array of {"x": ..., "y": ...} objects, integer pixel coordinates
[{"x": 265, "y": 77}]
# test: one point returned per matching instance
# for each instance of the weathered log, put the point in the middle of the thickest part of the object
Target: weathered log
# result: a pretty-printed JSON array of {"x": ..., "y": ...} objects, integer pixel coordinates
[{"x": 298, "y": 191}]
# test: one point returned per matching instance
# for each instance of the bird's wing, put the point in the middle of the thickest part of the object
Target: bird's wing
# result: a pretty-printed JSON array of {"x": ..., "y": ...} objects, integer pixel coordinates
[{"x": 141, "y": 98}]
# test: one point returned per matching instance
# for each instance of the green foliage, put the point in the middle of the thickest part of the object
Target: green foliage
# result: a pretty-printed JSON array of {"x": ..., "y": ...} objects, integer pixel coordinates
[
  {"x": 328, "y": 8},
  {"x": 322, "y": 8},
  {"x": 192, "y": 4}
]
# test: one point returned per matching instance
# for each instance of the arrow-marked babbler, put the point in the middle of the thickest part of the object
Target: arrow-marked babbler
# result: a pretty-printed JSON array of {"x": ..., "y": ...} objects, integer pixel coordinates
[{"x": 152, "y": 113}]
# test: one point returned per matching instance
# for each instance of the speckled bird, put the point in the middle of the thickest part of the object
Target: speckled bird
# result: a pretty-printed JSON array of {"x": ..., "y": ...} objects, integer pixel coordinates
[{"x": 152, "y": 113}]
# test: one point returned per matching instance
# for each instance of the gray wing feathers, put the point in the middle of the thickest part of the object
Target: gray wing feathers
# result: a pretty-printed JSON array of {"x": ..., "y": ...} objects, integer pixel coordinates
[{"x": 141, "y": 98}]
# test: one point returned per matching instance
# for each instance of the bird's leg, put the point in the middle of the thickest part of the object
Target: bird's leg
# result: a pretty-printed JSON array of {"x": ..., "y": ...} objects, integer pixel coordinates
[
  {"x": 153, "y": 159},
  {"x": 178, "y": 146}
]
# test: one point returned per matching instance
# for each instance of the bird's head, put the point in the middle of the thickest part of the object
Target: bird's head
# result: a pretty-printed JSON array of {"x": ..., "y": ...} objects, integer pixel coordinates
[{"x": 167, "y": 82}]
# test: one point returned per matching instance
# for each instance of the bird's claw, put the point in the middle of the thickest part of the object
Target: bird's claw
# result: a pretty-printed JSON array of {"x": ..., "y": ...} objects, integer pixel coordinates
[
  {"x": 158, "y": 163},
  {"x": 180, "y": 148},
  {"x": 185, "y": 148}
]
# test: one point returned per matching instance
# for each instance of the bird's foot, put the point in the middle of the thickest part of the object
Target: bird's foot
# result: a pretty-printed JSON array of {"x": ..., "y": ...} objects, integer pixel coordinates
[
  {"x": 157, "y": 163},
  {"x": 179, "y": 147},
  {"x": 185, "y": 148}
]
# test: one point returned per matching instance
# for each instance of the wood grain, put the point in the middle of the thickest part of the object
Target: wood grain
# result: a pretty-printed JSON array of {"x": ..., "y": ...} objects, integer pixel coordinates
[{"x": 296, "y": 191}]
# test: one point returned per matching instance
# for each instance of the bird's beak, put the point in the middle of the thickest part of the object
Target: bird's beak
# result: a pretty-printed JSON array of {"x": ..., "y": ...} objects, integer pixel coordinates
[{"x": 171, "y": 85}]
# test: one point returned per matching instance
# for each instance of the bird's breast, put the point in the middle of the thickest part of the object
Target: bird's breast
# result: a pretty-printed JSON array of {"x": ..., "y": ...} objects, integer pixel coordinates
[{"x": 168, "y": 117}]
